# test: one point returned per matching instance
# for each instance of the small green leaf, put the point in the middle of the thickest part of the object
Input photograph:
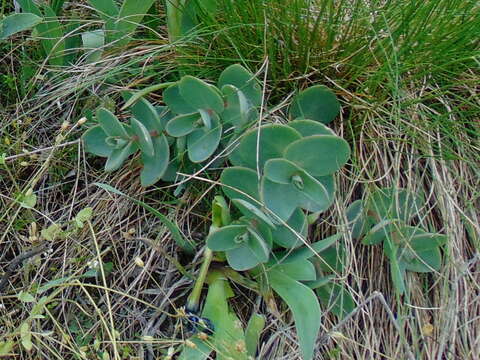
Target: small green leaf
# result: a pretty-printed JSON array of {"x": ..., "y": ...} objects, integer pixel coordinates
[
  {"x": 200, "y": 95},
  {"x": 316, "y": 103},
  {"x": 110, "y": 124},
  {"x": 83, "y": 216},
  {"x": 93, "y": 42},
  {"x": 243, "y": 80},
  {"x": 25, "y": 297},
  {"x": 154, "y": 167},
  {"x": 251, "y": 211},
  {"x": 269, "y": 142},
  {"x": 319, "y": 155},
  {"x": 6, "y": 347},
  {"x": 358, "y": 221},
  {"x": 15, "y": 23},
  {"x": 309, "y": 127},
  {"x": 305, "y": 308},
  {"x": 302, "y": 270},
  {"x": 238, "y": 110},
  {"x": 144, "y": 139},
  {"x": 176, "y": 102},
  {"x": 308, "y": 251},
  {"x": 183, "y": 124},
  {"x": 28, "y": 200},
  {"x": 255, "y": 326},
  {"x": 146, "y": 113},
  {"x": 380, "y": 232},
  {"x": 227, "y": 237},
  {"x": 393, "y": 203},
  {"x": 240, "y": 183},
  {"x": 52, "y": 233},
  {"x": 94, "y": 140},
  {"x": 26, "y": 336},
  {"x": 336, "y": 299},
  {"x": 203, "y": 142},
  {"x": 118, "y": 156}
]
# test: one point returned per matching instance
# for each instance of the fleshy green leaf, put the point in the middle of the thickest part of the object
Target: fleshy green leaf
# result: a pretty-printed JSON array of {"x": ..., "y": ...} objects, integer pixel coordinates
[
  {"x": 227, "y": 237},
  {"x": 200, "y": 95},
  {"x": 319, "y": 155},
  {"x": 272, "y": 143},
  {"x": 316, "y": 103},
  {"x": 93, "y": 42},
  {"x": 176, "y": 102},
  {"x": 243, "y": 258},
  {"x": 309, "y": 127},
  {"x": 203, "y": 142},
  {"x": 380, "y": 232},
  {"x": 244, "y": 180},
  {"x": 284, "y": 236},
  {"x": 335, "y": 298},
  {"x": 94, "y": 140},
  {"x": 154, "y": 167},
  {"x": 252, "y": 333},
  {"x": 358, "y": 221},
  {"x": 110, "y": 124},
  {"x": 183, "y": 124},
  {"x": 251, "y": 211},
  {"x": 309, "y": 251},
  {"x": 279, "y": 199},
  {"x": 238, "y": 110},
  {"x": 392, "y": 203},
  {"x": 302, "y": 270},
  {"x": 15, "y": 23},
  {"x": 118, "y": 156},
  {"x": 243, "y": 80},
  {"x": 144, "y": 139},
  {"x": 303, "y": 303},
  {"x": 146, "y": 113}
]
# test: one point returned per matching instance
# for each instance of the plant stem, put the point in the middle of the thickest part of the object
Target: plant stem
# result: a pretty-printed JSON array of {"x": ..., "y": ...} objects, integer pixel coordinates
[{"x": 193, "y": 302}]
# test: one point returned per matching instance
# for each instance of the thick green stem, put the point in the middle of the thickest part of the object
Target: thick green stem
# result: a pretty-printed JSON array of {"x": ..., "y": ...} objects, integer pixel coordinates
[{"x": 193, "y": 302}]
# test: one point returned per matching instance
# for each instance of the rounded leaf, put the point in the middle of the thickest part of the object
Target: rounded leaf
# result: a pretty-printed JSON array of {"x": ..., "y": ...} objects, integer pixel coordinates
[
  {"x": 243, "y": 80},
  {"x": 238, "y": 109},
  {"x": 309, "y": 127},
  {"x": 280, "y": 199},
  {"x": 183, "y": 124},
  {"x": 94, "y": 141},
  {"x": 393, "y": 203},
  {"x": 319, "y": 155},
  {"x": 203, "y": 142},
  {"x": 272, "y": 143},
  {"x": 146, "y": 113},
  {"x": 227, "y": 237},
  {"x": 110, "y": 123},
  {"x": 200, "y": 95},
  {"x": 294, "y": 234},
  {"x": 118, "y": 156},
  {"x": 252, "y": 212},
  {"x": 316, "y": 103},
  {"x": 143, "y": 137},
  {"x": 176, "y": 102},
  {"x": 154, "y": 167},
  {"x": 242, "y": 258},
  {"x": 240, "y": 183},
  {"x": 317, "y": 194}
]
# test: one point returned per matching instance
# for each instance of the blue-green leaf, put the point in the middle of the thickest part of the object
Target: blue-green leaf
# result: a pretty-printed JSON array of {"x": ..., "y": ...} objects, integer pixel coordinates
[{"x": 15, "y": 23}]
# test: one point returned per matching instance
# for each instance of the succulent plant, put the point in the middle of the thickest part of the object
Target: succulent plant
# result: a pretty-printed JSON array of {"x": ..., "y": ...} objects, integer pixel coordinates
[
  {"x": 384, "y": 217},
  {"x": 281, "y": 177}
]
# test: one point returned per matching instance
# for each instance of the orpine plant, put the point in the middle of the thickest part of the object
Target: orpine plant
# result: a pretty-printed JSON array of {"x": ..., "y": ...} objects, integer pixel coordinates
[
  {"x": 280, "y": 178},
  {"x": 386, "y": 217}
]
